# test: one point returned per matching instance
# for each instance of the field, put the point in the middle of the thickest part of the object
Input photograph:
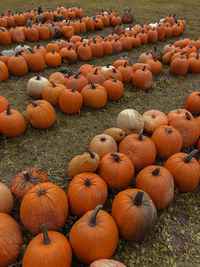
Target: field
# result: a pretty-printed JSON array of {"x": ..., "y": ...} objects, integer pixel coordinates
[{"x": 175, "y": 240}]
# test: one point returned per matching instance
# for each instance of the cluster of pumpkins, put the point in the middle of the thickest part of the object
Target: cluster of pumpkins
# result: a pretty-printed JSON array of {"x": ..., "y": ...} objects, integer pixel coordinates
[{"x": 111, "y": 161}]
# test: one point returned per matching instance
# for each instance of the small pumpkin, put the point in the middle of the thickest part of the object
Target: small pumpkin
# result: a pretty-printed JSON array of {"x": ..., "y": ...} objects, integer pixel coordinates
[
  {"x": 106, "y": 263},
  {"x": 87, "y": 162},
  {"x": 127, "y": 17},
  {"x": 192, "y": 103},
  {"x": 130, "y": 121},
  {"x": 114, "y": 88},
  {"x": 153, "y": 119},
  {"x": 6, "y": 199},
  {"x": 96, "y": 223},
  {"x": 35, "y": 86},
  {"x": 177, "y": 113},
  {"x": 142, "y": 78},
  {"x": 3, "y": 103},
  {"x": 116, "y": 133},
  {"x": 52, "y": 91}
]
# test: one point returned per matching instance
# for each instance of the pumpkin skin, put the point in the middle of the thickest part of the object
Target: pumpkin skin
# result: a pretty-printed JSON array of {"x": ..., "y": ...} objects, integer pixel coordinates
[
  {"x": 140, "y": 149},
  {"x": 116, "y": 133},
  {"x": 153, "y": 119},
  {"x": 185, "y": 170},
  {"x": 25, "y": 180},
  {"x": 117, "y": 170},
  {"x": 12, "y": 123},
  {"x": 35, "y": 86},
  {"x": 85, "y": 192},
  {"x": 49, "y": 248},
  {"x": 192, "y": 103},
  {"x": 45, "y": 203},
  {"x": 134, "y": 213},
  {"x": 40, "y": 114},
  {"x": 3, "y": 71},
  {"x": 114, "y": 88},
  {"x": 103, "y": 144},
  {"x": 11, "y": 239},
  {"x": 87, "y": 162},
  {"x": 3, "y": 103},
  {"x": 158, "y": 183},
  {"x": 107, "y": 263},
  {"x": 94, "y": 223},
  {"x": 167, "y": 141},
  {"x": 6, "y": 199},
  {"x": 177, "y": 113},
  {"x": 130, "y": 121}
]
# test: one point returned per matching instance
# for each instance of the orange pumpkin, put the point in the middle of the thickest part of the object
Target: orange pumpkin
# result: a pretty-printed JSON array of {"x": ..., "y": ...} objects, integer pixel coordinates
[
  {"x": 153, "y": 119},
  {"x": 192, "y": 103}
]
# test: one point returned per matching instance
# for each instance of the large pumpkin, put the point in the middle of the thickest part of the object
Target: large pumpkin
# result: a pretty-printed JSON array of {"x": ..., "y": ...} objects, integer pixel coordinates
[
  {"x": 11, "y": 240},
  {"x": 192, "y": 103},
  {"x": 94, "y": 236},
  {"x": 134, "y": 213},
  {"x": 49, "y": 248},
  {"x": 85, "y": 192},
  {"x": 6, "y": 199},
  {"x": 45, "y": 203},
  {"x": 158, "y": 183}
]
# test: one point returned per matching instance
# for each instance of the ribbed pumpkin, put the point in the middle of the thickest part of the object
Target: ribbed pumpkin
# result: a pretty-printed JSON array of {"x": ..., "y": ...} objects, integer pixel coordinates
[
  {"x": 25, "y": 180},
  {"x": 185, "y": 170},
  {"x": 35, "y": 86},
  {"x": 167, "y": 140},
  {"x": 11, "y": 240},
  {"x": 6, "y": 199},
  {"x": 95, "y": 223},
  {"x": 41, "y": 114},
  {"x": 51, "y": 92},
  {"x": 116, "y": 133},
  {"x": 134, "y": 213},
  {"x": 177, "y": 113},
  {"x": 45, "y": 203},
  {"x": 192, "y": 103},
  {"x": 87, "y": 162},
  {"x": 103, "y": 144},
  {"x": 3, "y": 103},
  {"x": 49, "y": 248},
  {"x": 3, "y": 71},
  {"x": 117, "y": 170},
  {"x": 153, "y": 119},
  {"x": 158, "y": 183},
  {"x": 114, "y": 88},
  {"x": 85, "y": 192},
  {"x": 142, "y": 78},
  {"x": 140, "y": 149}
]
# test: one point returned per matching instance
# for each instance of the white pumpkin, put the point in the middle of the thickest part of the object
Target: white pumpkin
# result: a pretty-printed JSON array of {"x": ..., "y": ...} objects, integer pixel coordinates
[
  {"x": 85, "y": 41},
  {"x": 35, "y": 86},
  {"x": 104, "y": 69},
  {"x": 106, "y": 263},
  {"x": 130, "y": 121},
  {"x": 22, "y": 47}
]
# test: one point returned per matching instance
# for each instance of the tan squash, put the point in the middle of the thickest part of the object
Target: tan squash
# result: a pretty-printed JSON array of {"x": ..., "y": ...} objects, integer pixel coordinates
[
  {"x": 116, "y": 133},
  {"x": 87, "y": 162}
]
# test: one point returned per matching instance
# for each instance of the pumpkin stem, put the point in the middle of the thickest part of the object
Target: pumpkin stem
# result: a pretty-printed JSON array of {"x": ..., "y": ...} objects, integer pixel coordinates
[
  {"x": 27, "y": 175},
  {"x": 93, "y": 86},
  {"x": 53, "y": 84},
  {"x": 103, "y": 139},
  {"x": 140, "y": 135},
  {"x": 41, "y": 192},
  {"x": 38, "y": 77},
  {"x": 125, "y": 63},
  {"x": 69, "y": 47},
  {"x": 169, "y": 130},
  {"x": 91, "y": 153},
  {"x": 73, "y": 87},
  {"x": 138, "y": 198},
  {"x": 114, "y": 70},
  {"x": 113, "y": 77},
  {"x": 156, "y": 171},
  {"x": 188, "y": 117},
  {"x": 144, "y": 68},
  {"x": 116, "y": 157},
  {"x": 95, "y": 72},
  {"x": 190, "y": 156},
  {"x": 92, "y": 221},
  {"x": 8, "y": 110},
  {"x": 76, "y": 76},
  {"x": 46, "y": 238},
  {"x": 34, "y": 103},
  {"x": 87, "y": 182}
]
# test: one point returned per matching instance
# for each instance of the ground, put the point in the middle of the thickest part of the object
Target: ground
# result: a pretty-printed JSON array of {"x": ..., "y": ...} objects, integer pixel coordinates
[{"x": 175, "y": 239}]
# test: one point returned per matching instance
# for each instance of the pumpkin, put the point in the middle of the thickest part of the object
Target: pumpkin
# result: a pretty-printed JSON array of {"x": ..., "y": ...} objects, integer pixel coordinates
[
  {"x": 84, "y": 52},
  {"x": 152, "y": 36},
  {"x": 127, "y": 17},
  {"x": 188, "y": 128},
  {"x": 45, "y": 203},
  {"x": 85, "y": 192},
  {"x": 142, "y": 78},
  {"x": 158, "y": 183},
  {"x": 153, "y": 119},
  {"x": 11, "y": 240},
  {"x": 35, "y": 61},
  {"x": 127, "y": 72},
  {"x": 177, "y": 113},
  {"x": 115, "y": 73},
  {"x": 144, "y": 57},
  {"x": 140, "y": 149},
  {"x": 130, "y": 121},
  {"x": 3, "y": 103},
  {"x": 49, "y": 248},
  {"x": 96, "y": 77},
  {"x": 12, "y": 123},
  {"x": 117, "y": 170},
  {"x": 179, "y": 66},
  {"x": 86, "y": 162},
  {"x": 106, "y": 263},
  {"x": 53, "y": 59},
  {"x": 155, "y": 65},
  {"x": 96, "y": 223},
  {"x": 134, "y": 213},
  {"x": 192, "y": 103},
  {"x": 3, "y": 71},
  {"x": 103, "y": 144},
  {"x": 114, "y": 88},
  {"x": 167, "y": 141},
  {"x": 194, "y": 65},
  {"x": 94, "y": 95},
  {"x": 97, "y": 48},
  {"x": 116, "y": 133},
  {"x": 35, "y": 86},
  {"x": 57, "y": 77},
  {"x": 185, "y": 170},
  {"x": 22, "y": 48},
  {"x": 104, "y": 69},
  {"x": 6, "y": 199},
  {"x": 52, "y": 91},
  {"x": 25, "y": 180},
  {"x": 17, "y": 65},
  {"x": 40, "y": 114},
  {"x": 79, "y": 80}
]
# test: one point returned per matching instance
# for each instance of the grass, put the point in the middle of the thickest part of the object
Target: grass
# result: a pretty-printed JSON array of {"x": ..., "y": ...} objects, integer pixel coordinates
[{"x": 175, "y": 240}]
